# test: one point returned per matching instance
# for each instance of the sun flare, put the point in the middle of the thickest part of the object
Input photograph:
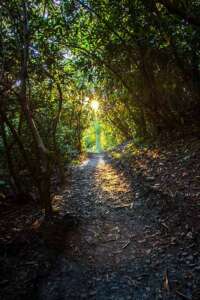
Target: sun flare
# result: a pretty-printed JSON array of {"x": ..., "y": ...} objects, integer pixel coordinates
[{"x": 95, "y": 105}]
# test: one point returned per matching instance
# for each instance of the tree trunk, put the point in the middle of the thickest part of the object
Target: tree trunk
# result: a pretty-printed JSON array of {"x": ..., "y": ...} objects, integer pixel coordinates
[{"x": 41, "y": 153}]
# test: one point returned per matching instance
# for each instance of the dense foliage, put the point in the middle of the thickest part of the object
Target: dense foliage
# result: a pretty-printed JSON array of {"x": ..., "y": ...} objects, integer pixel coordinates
[
  {"x": 146, "y": 57},
  {"x": 141, "y": 59}
]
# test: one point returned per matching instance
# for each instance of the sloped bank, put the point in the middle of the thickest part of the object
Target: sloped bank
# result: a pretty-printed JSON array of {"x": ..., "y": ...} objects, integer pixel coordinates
[{"x": 167, "y": 179}]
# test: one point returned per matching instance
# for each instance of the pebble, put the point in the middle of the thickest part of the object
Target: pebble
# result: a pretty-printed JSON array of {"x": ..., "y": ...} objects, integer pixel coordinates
[
  {"x": 190, "y": 257},
  {"x": 148, "y": 261},
  {"x": 150, "y": 178},
  {"x": 83, "y": 296},
  {"x": 92, "y": 293},
  {"x": 189, "y": 235}
]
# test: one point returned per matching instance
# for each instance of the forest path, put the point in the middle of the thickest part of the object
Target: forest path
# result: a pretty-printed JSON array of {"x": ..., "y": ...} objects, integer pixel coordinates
[{"x": 118, "y": 251}]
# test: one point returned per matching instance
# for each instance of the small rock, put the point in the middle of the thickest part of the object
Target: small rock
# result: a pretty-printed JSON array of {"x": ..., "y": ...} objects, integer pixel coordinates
[
  {"x": 189, "y": 235},
  {"x": 92, "y": 293},
  {"x": 83, "y": 296},
  {"x": 190, "y": 257},
  {"x": 148, "y": 261},
  {"x": 150, "y": 178}
]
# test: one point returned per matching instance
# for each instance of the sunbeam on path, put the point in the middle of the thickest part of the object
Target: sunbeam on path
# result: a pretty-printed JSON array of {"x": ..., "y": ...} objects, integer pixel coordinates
[{"x": 112, "y": 185}]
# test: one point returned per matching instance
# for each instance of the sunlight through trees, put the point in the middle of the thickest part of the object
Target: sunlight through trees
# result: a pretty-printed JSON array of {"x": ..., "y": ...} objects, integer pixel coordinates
[{"x": 139, "y": 59}]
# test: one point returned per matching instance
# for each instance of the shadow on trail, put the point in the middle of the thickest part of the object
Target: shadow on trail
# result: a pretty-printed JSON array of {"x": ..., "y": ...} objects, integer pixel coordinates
[{"x": 118, "y": 251}]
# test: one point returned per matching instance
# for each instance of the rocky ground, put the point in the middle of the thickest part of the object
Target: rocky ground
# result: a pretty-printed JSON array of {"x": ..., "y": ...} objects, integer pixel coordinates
[{"x": 134, "y": 235}]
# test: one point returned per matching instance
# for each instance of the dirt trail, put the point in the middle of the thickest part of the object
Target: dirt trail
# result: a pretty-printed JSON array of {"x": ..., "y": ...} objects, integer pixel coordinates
[{"x": 120, "y": 250}]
